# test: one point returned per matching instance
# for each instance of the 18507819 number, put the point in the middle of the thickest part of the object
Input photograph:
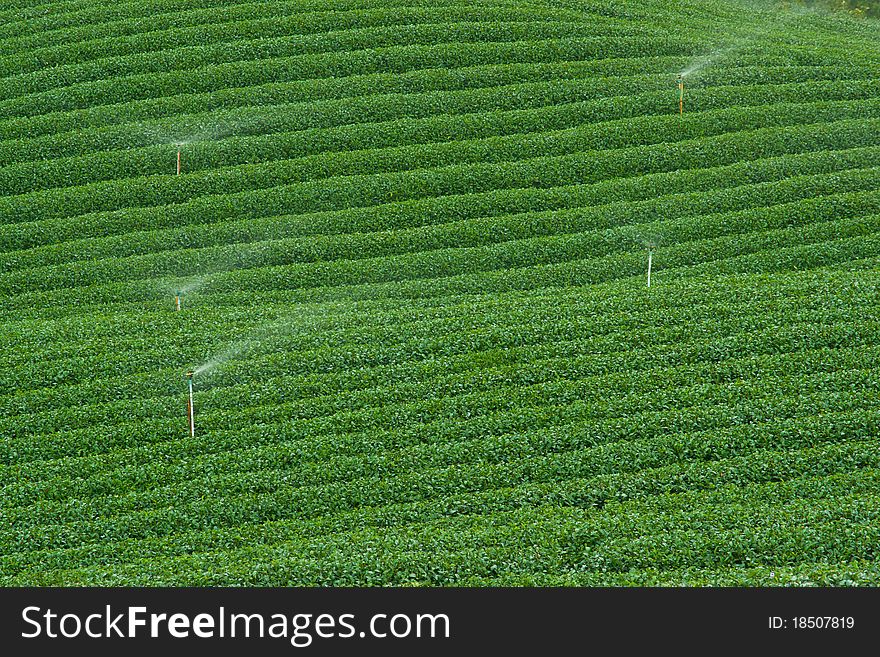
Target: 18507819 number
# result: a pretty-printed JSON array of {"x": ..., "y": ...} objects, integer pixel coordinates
[
  {"x": 823, "y": 622},
  {"x": 811, "y": 623}
]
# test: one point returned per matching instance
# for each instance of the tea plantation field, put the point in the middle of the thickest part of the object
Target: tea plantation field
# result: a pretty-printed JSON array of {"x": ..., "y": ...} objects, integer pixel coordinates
[{"x": 411, "y": 242}]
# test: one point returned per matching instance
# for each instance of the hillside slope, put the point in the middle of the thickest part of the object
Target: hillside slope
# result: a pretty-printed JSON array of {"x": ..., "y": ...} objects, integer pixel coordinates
[{"x": 410, "y": 239}]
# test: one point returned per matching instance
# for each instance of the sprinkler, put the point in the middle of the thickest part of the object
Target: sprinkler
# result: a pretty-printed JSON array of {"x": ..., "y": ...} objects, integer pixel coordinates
[
  {"x": 190, "y": 410},
  {"x": 178, "y": 162},
  {"x": 680, "y": 96},
  {"x": 177, "y": 300},
  {"x": 650, "y": 253}
]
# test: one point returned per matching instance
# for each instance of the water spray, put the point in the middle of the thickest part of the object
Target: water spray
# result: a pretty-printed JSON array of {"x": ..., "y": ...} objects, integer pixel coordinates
[
  {"x": 680, "y": 96},
  {"x": 190, "y": 409}
]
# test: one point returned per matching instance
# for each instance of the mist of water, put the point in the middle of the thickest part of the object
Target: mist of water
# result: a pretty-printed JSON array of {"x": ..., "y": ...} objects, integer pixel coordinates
[
  {"x": 307, "y": 319},
  {"x": 201, "y": 131},
  {"x": 231, "y": 352},
  {"x": 648, "y": 241},
  {"x": 240, "y": 256},
  {"x": 708, "y": 60},
  {"x": 189, "y": 132},
  {"x": 193, "y": 284},
  {"x": 188, "y": 285},
  {"x": 763, "y": 22}
]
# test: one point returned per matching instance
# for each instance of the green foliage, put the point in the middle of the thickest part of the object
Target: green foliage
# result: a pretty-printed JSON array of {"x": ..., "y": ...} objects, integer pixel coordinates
[
  {"x": 411, "y": 239},
  {"x": 860, "y": 8}
]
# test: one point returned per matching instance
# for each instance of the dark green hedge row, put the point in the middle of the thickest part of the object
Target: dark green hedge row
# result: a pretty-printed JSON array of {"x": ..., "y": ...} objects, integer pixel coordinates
[
  {"x": 278, "y": 240},
  {"x": 759, "y": 468},
  {"x": 223, "y": 36},
  {"x": 164, "y": 471},
  {"x": 246, "y": 106},
  {"x": 832, "y": 517},
  {"x": 283, "y": 69}
]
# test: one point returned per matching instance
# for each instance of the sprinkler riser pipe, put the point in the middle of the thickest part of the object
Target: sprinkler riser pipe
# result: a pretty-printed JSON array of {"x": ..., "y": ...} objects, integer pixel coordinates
[
  {"x": 178, "y": 163},
  {"x": 680, "y": 97},
  {"x": 190, "y": 408},
  {"x": 649, "y": 268},
  {"x": 192, "y": 418}
]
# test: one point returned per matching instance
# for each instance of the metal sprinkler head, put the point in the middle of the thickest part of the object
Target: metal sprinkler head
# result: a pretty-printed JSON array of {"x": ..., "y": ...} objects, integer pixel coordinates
[{"x": 190, "y": 375}]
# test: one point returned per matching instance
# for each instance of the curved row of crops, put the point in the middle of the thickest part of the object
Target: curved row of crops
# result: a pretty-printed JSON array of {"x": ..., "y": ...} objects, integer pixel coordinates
[{"x": 411, "y": 238}]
